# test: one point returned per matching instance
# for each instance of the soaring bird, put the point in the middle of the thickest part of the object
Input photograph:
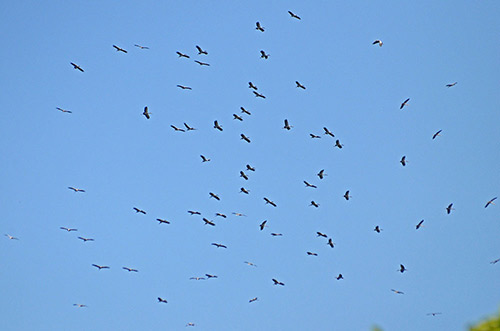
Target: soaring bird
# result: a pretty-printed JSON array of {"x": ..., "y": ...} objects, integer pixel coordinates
[
  {"x": 11, "y": 237},
  {"x": 182, "y": 55},
  {"x": 250, "y": 263},
  {"x": 79, "y": 305},
  {"x": 243, "y": 175},
  {"x": 160, "y": 300},
  {"x": 339, "y": 277},
  {"x": 67, "y": 229},
  {"x": 331, "y": 243},
  {"x": 244, "y": 190},
  {"x": 197, "y": 278},
  {"x": 215, "y": 196},
  {"x": 287, "y": 125},
  {"x": 263, "y": 225},
  {"x": 204, "y": 159},
  {"x": 118, "y": 49},
  {"x": 238, "y": 214},
  {"x": 314, "y": 136},
  {"x": 208, "y": 222},
  {"x": 276, "y": 234},
  {"x": 85, "y": 239},
  {"x": 346, "y": 195},
  {"x": 162, "y": 221},
  {"x": 314, "y": 204},
  {"x": 293, "y": 15},
  {"x": 192, "y": 212},
  {"x": 310, "y": 185},
  {"x": 177, "y": 129},
  {"x": 451, "y": 85},
  {"x": 202, "y": 63},
  {"x": 141, "y": 47},
  {"x": 404, "y": 103},
  {"x": 183, "y": 87},
  {"x": 402, "y": 268},
  {"x": 190, "y": 324},
  {"x": 252, "y": 300},
  {"x": 379, "y": 42},
  {"x": 201, "y": 51},
  {"x": 130, "y": 269},
  {"x": 377, "y": 229},
  {"x": 220, "y": 215},
  {"x": 263, "y": 55},
  {"x": 490, "y": 202},
  {"x": 269, "y": 202},
  {"x": 137, "y": 210},
  {"x": 259, "y": 27},
  {"x": 449, "y": 208},
  {"x": 436, "y": 134},
  {"x": 338, "y": 144},
  {"x": 237, "y": 117},
  {"x": 219, "y": 245},
  {"x": 419, "y": 225},
  {"x": 397, "y": 292},
  {"x": 258, "y": 95},
  {"x": 252, "y": 86},
  {"x": 433, "y": 314},
  {"x": 211, "y": 276},
  {"x": 217, "y": 126},
  {"x": 100, "y": 266},
  {"x": 322, "y": 174},
  {"x": 76, "y": 189},
  {"x": 320, "y": 234},
  {"x": 64, "y": 110},
  {"x": 277, "y": 282},
  {"x": 189, "y": 128},
  {"x": 76, "y": 66},
  {"x": 312, "y": 254},
  {"x": 403, "y": 160},
  {"x": 328, "y": 132},
  {"x": 146, "y": 113},
  {"x": 250, "y": 168},
  {"x": 495, "y": 261},
  {"x": 300, "y": 85},
  {"x": 245, "y": 138},
  {"x": 244, "y": 111}
]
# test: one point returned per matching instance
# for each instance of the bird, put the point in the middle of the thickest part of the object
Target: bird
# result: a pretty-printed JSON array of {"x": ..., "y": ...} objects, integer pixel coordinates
[
  {"x": 182, "y": 55},
  {"x": 379, "y": 42},
  {"x": 204, "y": 159},
  {"x": 287, "y": 125},
  {"x": 377, "y": 229},
  {"x": 314, "y": 204},
  {"x": 64, "y": 110},
  {"x": 177, "y": 129},
  {"x": 118, "y": 49},
  {"x": 85, "y": 239},
  {"x": 270, "y": 202},
  {"x": 211, "y": 276},
  {"x": 436, "y": 134},
  {"x": 312, "y": 254},
  {"x": 189, "y": 128},
  {"x": 263, "y": 225},
  {"x": 201, "y": 51},
  {"x": 338, "y": 144},
  {"x": 215, "y": 196},
  {"x": 244, "y": 190},
  {"x": 239, "y": 214},
  {"x": 245, "y": 138},
  {"x": 220, "y": 215},
  {"x": 208, "y": 222},
  {"x": 258, "y": 95},
  {"x": 11, "y": 237},
  {"x": 328, "y": 132},
  {"x": 346, "y": 195},
  {"x": 202, "y": 63},
  {"x": 252, "y": 86},
  {"x": 331, "y": 243},
  {"x": 192, "y": 212},
  {"x": 490, "y": 202},
  {"x": 319, "y": 234},
  {"x": 419, "y": 225},
  {"x": 314, "y": 136},
  {"x": 183, "y": 87},
  {"x": 449, "y": 208},
  {"x": 77, "y": 67},
  {"x": 76, "y": 189},
  {"x": 293, "y": 15},
  {"x": 402, "y": 268},
  {"x": 243, "y": 175},
  {"x": 217, "y": 126},
  {"x": 137, "y": 210},
  {"x": 339, "y": 277},
  {"x": 276, "y": 282},
  {"x": 433, "y": 314},
  {"x": 244, "y": 111},
  {"x": 300, "y": 85},
  {"x": 130, "y": 269},
  {"x": 451, "y": 85},
  {"x": 162, "y": 221},
  {"x": 259, "y": 27},
  {"x": 197, "y": 278},
  {"x": 160, "y": 300},
  {"x": 250, "y": 264},
  {"x": 141, "y": 47},
  {"x": 190, "y": 324},
  {"x": 252, "y": 300},
  {"x": 79, "y": 305},
  {"x": 237, "y": 117},
  {"x": 250, "y": 168},
  {"x": 276, "y": 234},
  {"x": 397, "y": 292},
  {"x": 219, "y": 245},
  {"x": 404, "y": 103},
  {"x": 67, "y": 229},
  {"x": 403, "y": 160},
  {"x": 310, "y": 185},
  {"x": 263, "y": 55},
  {"x": 495, "y": 261},
  {"x": 321, "y": 174},
  {"x": 100, "y": 266},
  {"x": 146, "y": 113}
]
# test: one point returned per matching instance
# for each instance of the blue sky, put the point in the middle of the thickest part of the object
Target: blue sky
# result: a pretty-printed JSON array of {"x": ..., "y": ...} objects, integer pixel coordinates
[{"x": 122, "y": 160}]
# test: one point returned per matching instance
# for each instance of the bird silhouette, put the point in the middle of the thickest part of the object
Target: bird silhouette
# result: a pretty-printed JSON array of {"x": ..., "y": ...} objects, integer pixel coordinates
[
  {"x": 130, "y": 269},
  {"x": 215, "y": 196},
  {"x": 201, "y": 51},
  {"x": 217, "y": 126},
  {"x": 276, "y": 282},
  {"x": 419, "y": 225},
  {"x": 11, "y": 237},
  {"x": 300, "y": 85},
  {"x": 202, "y": 63},
  {"x": 192, "y": 212},
  {"x": 252, "y": 300},
  {"x": 161, "y": 300},
  {"x": 338, "y": 144},
  {"x": 146, "y": 113},
  {"x": 177, "y": 129},
  {"x": 259, "y": 27},
  {"x": 141, "y": 47},
  {"x": 211, "y": 276},
  {"x": 244, "y": 190},
  {"x": 208, "y": 222},
  {"x": 314, "y": 204},
  {"x": 310, "y": 185},
  {"x": 79, "y": 305},
  {"x": 263, "y": 55},
  {"x": 237, "y": 117},
  {"x": 64, "y": 110},
  {"x": 118, "y": 49},
  {"x": 321, "y": 174},
  {"x": 451, "y": 85},
  {"x": 312, "y": 254},
  {"x": 250, "y": 168},
  {"x": 263, "y": 225},
  {"x": 182, "y": 55},
  {"x": 244, "y": 111},
  {"x": 449, "y": 208},
  {"x": 77, "y": 67},
  {"x": 76, "y": 189},
  {"x": 276, "y": 234},
  {"x": 204, "y": 159},
  {"x": 287, "y": 125},
  {"x": 219, "y": 245},
  {"x": 250, "y": 263},
  {"x": 85, "y": 239},
  {"x": 100, "y": 267},
  {"x": 331, "y": 243},
  {"x": 243, "y": 175},
  {"x": 245, "y": 138},
  {"x": 67, "y": 229},
  {"x": 220, "y": 215},
  {"x": 433, "y": 314},
  {"x": 189, "y": 128},
  {"x": 137, "y": 210},
  {"x": 379, "y": 42},
  {"x": 397, "y": 292},
  {"x": 490, "y": 202},
  {"x": 314, "y": 136},
  {"x": 258, "y": 95},
  {"x": 402, "y": 268},
  {"x": 328, "y": 132},
  {"x": 346, "y": 195},
  {"x": 162, "y": 221},
  {"x": 339, "y": 277},
  {"x": 270, "y": 202},
  {"x": 320, "y": 234},
  {"x": 252, "y": 86},
  {"x": 183, "y": 87},
  {"x": 377, "y": 229},
  {"x": 403, "y": 161},
  {"x": 293, "y": 15},
  {"x": 405, "y": 103}
]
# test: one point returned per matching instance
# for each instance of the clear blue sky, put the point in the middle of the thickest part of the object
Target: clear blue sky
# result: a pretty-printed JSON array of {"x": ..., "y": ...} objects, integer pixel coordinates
[{"x": 122, "y": 160}]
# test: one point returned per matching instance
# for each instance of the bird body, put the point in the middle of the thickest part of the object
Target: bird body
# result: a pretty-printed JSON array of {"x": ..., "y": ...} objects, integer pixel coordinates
[
  {"x": 85, "y": 239},
  {"x": 217, "y": 126},
  {"x": 276, "y": 282},
  {"x": 436, "y": 134},
  {"x": 162, "y": 221},
  {"x": 312, "y": 254},
  {"x": 119, "y": 49},
  {"x": 490, "y": 202},
  {"x": 244, "y": 111},
  {"x": 310, "y": 185},
  {"x": 201, "y": 51},
  {"x": 244, "y": 190},
  {"x": 130, "y": 269},
  {"x": 100, "y": 266},
  {"x": 331, "y": 243},
  {"x": 189, "y": 128},
  {"x": 263, "y": 225},
  {"x": 245, "y": 138},
  {"x": 204, "y": 159},
  {"x": 146, "y": 113},
  {"x": 252, "y": 300},
  {"x": 183, "y": 87},
  {"x": 259, "y": 27},
  {"x": 67, "y": 229},
  {"x": 215, "y": 196},
  {"x": 270, "y": 202},
  {"x": 202, "y": 63},
  {"x": 219, "y": 245},
  {"x": 141, "y": 47},
  {"x": 182, "y": 55},
  {"x": 403, "y": 161},
  {"x": 258, "y": 95},
  {"x": 377, "y": 229},
  {"x": 177, "y": 129},
  {"x": 300, "y": 85},
  {"x": 161, "y": 300},
  {"x": 339, "y": 277},
  {"x": 321, "y": 174},
  {"x": 379, "y": 42},
  {"x": 328, "y": 132},
  {"x": 263, "y": 55},
  {"x": 346, "y": 195},
  {"x": 137, "y": 210},
  {"x": 404, "y": 103},
  {"x": 451, "y": 85},
  {"x": 419, "y": 225},
  {"x": 237, "y": 117},
  {"x": 314, "y": 204},
  {"x": 338, "y": 144},
  {"x": 287, "y": 125},
  {"x": 76, "y": 189},
  {"x": 208, "y": 222},
  {"x": 77, "y": 67},
  {"x": 319, "y": 234},
  {"x": 243, "y": 175},
  {"x": 293, "y": 15},
  {"x": 449, "y": 208},
  {"x": 64, "y": 110}
]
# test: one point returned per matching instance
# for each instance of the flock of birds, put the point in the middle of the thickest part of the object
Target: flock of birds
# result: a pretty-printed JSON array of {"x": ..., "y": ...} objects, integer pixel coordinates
[{"x": 244, "y": 174}]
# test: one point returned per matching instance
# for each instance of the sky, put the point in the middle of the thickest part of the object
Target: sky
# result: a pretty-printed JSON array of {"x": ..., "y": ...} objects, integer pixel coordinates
[{"x": 122, "y": 160}]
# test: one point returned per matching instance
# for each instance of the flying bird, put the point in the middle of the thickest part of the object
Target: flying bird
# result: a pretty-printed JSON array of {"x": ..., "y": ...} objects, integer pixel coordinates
[
  {"x": 184, "y": 87},
  {"x": 263, "y": 55},
  {"x": 346, "y": 195},
  {"x": 293, "y": 15},
  {"x": 76, "y": 189},
  {"x": 433, "y": 314},
  {"x": 118, "y": 49},
  {"x": 328, "y": 132},
  {"x": 252, "y": 300},
  {"x": 190, "y": 324},
  {"x": 243, "y": 175},
  {"x": 287, "y": 125},
  {"x": 220, "y": 215},
  {"x": 321, "y": 174},
  {"x": 211, "y": 276},
  {"x": 259, "y": 27},
  {"x": 377, "y": 229},
  {"x": 310, "y": 185},
  {"x": 162, "y": 221},
  {"x": 449, "y": 208},
  {"x": 202, "y": 63},
  {"x": 397, "y": 292},
  {"x": 64, "y": 110},
  {"x": 215, "y": 196},
  {"x": 276, "y": 282},
  {"x": 130, "y": 269},
  {"x": 276, "y": 234},
  {"x": 339, "y": 277},
  {"x": 436, "y": 134},
  {"x": 314, "y": 204},
  {"x": 146, "y": 113},
  {"x": 237, "y": 117},
  {"x": 490, "y": 202},
  {"x": 141, "y": 47},
  {"x": 402, "y": 268},
  {"x": 100, "y": 266},
  {"x": 204, "y": 159},
  {"x": 189, "y": 128},
  {"x": 208, "y": 222},
  {"x": 331, "y": 243},
  {"x": 244, "y": 190},
  {"x": 239, "y": 214},
  {"x": 258, "y": 95},
  {"x": 300, "y": 85},
  {"x": 197, "y": 278},
  {"x": 451, "y": 85},
  {"x": 192, "y": 212},
  {"x": 77, "y": 67},
  {"x": 404, "y": 103},
  {"x": 243, "y": 137},
  {"x": 269, "y": 202},
  {"x": 177, "y": 129},
  {"x": 250, "y": 85},
  {"x": 201, "y": 51},
  {"x": 403, "y": 160},
  {"x": 244, "y": 111},
  {"x": 137, "y": 210},
  {"x": 182, "y": 55},
  {"x": 419, "y": 225},
  {"x": 79, "y": 305},
  {"x": 338, "y": 144},
  {"x": 85, "y": 239},
  {"x": 250, "y": 264},
  {"x": 219, "y": 245},
  {"x": 67, "y": 229},
  {"x": 263, "y": 225},
  {"x": 217, "y": 126},
  {"x": 312, "y": 254},
  {"x": 11, "y": 237},
  {"x": 250, "y": 168},
  {"x": 495, "y": 261},
  {"x": 379, "y": 42},
  {"x": 319, "y": 234},
  {"x": 314, "y": 136},
  {"x": 160, "y": 300}
]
